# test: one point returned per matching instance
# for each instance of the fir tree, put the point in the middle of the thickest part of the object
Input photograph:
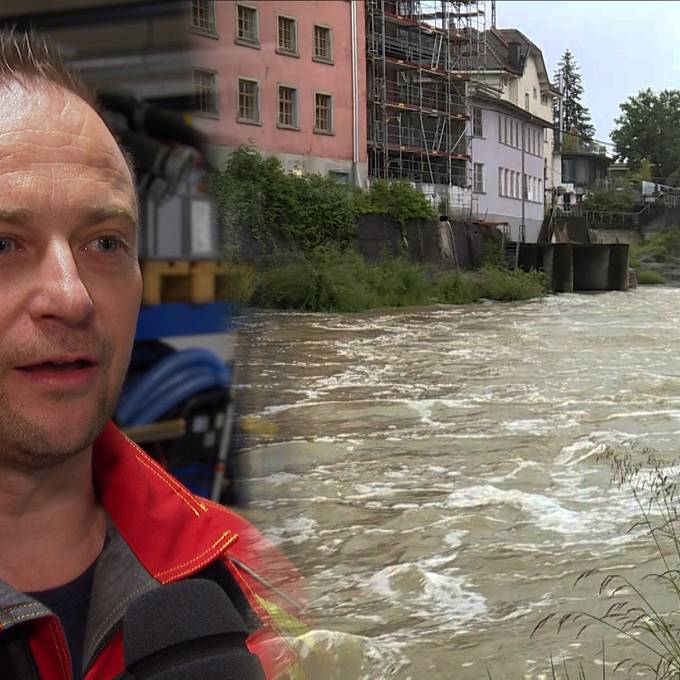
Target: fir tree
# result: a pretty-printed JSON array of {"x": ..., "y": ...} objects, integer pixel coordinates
[{"x": 575, "y": 116}]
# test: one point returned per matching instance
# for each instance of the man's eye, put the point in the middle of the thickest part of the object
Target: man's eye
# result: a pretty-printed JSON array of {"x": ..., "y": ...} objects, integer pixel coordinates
[
  {"x": 105, "y": 244},
  {"x": 7, "y": 245}
]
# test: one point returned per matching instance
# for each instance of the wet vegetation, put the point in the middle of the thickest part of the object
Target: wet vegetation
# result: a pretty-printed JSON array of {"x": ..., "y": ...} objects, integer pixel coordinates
[
  {"x": 649, "y": 277},
  {"x": 645, "y": 611},
  {"x": 329, "y": 280},
  {"x": 664, "y": 247}
]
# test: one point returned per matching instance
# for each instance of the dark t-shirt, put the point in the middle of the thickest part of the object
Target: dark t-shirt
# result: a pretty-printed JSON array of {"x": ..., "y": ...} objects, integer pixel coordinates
[{"x": 70, "y": 603}]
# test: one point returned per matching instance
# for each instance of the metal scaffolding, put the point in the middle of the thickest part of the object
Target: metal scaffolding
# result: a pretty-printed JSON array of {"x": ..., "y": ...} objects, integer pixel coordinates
[{"x": 421, "y": 56}]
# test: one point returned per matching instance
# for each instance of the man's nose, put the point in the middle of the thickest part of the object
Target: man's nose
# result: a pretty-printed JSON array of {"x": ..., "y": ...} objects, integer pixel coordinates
[{"x": 61, "y": 294}]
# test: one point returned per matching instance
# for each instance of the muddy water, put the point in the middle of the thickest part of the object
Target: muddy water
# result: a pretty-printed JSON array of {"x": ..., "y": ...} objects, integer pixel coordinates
[{"x": 441, "y": 475}]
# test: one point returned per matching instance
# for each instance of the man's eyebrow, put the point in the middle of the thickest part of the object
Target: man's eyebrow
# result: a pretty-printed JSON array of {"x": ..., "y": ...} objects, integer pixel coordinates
[
  {"x": 98, "y": 214},
  {"x": 88, "y": 216},
  {"x": 18, "y": 216}
]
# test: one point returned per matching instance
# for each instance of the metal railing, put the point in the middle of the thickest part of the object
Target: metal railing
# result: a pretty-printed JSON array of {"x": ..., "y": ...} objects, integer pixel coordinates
[{"x": 612, "y": 219}]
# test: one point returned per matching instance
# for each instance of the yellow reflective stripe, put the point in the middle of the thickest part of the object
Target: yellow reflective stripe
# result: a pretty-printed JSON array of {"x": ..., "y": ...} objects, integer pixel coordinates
[{"x": 289, "y": 624}]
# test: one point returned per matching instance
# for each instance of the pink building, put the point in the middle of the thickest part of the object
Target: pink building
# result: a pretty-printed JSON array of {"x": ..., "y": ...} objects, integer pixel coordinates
[{"x": 286, "y": 77}]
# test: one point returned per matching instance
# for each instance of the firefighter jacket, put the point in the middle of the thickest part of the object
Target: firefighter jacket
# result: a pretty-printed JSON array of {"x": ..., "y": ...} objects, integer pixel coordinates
[{"x": 159, "y": 533}]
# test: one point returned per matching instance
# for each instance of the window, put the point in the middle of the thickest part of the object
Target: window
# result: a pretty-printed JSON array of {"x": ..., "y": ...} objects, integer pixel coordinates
[
  {"x": 478, "y": 185},
  {"x": 477, "y": 127},
  {"x": 511, "y": 141},
  {"x": 505, "y": 129},
  {"x": 500, "y": 127},
  {"x": 544, "y": 99},
  {"x": 203, "y": 15},
  {"x": 540, "y": 191},
  {"x": 500, "y": 181},
  {"x": 323, "y": 113},
  {"x": 287, "y": 40},
  {"x": 246, "y": 28},
  {"x": 248, "y": 101},
  {"x": 517, "y": 189},
  {"x": 506, "y": 182},
  {"x": 526, "y": 101},
  {"x": 205, "y": 92},
  {"x": 512, "y": 183},
  {"x": 323, "y": 49},
  {"x": 287, "y": 107},
  {"x": 518, "y": 141}
]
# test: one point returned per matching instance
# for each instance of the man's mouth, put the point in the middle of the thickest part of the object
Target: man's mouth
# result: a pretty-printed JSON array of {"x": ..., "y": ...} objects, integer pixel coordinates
[{"x": 58, "y": 365}]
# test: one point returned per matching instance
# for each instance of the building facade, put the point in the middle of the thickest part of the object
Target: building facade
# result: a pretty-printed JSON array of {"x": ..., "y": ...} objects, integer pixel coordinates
[
  {"x": 516, "y": 162},
  {"x": 507, "y": 162},
  {"x": 285, "y": 77}
]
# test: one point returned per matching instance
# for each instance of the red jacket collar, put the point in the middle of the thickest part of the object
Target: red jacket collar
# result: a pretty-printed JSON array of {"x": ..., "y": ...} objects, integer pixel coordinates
[{"x": 172, "y": 532}]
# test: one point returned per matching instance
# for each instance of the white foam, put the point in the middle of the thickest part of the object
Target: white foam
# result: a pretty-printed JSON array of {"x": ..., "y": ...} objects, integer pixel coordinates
[
  {"x": 546, "y": 512},
  {"x": 410, "y": 586}
]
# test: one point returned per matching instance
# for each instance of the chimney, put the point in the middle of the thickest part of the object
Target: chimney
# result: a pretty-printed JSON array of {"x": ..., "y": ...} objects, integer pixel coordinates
[{"x": 514, "y": 52}]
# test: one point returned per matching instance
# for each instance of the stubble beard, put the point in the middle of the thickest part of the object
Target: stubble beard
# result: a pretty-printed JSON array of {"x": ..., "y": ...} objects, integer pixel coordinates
[{"x": 31, "y": 443}]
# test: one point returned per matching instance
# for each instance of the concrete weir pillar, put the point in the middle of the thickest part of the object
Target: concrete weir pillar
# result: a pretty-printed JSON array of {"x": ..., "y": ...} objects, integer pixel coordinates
[
  {"x": 618, "y": 266},
  {"x": 601, "y": 267},
  {"x": 558, "y": 263},
  {"x": 591, "y": 267}
]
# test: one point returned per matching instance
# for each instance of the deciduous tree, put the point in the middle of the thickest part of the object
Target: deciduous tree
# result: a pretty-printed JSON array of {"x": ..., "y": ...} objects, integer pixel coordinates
[{"x": 649, "y": 128}]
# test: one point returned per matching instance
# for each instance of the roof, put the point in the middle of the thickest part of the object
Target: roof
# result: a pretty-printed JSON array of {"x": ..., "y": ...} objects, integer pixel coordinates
[{"x": 497, "y": 56}]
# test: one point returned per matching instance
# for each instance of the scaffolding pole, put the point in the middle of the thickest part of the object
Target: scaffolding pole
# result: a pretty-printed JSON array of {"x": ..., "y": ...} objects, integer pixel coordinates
[{"x": 423, "y": 54}]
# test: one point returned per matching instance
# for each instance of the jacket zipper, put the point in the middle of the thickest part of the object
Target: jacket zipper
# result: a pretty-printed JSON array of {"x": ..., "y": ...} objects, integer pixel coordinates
[{"x": 102, "y": 646}]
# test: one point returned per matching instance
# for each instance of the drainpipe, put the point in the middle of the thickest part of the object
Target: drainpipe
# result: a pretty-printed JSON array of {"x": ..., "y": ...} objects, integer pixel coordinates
[
  {"x": 355, "y": 96},
  {"x": 522, "y": 229}
]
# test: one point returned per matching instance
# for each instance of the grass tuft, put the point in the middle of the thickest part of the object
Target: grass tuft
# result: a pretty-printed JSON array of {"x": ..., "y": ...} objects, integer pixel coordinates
[
  {"x": 649, "y": 277},
  {"x": 330, "y": 280}
]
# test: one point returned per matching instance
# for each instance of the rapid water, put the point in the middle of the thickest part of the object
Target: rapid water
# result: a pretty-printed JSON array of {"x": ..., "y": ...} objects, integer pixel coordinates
[{"x": 442, "y": 475}]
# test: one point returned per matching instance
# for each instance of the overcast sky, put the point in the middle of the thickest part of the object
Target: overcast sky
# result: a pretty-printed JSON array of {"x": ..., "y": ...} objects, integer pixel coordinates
[{"x": 621, "y": 47}]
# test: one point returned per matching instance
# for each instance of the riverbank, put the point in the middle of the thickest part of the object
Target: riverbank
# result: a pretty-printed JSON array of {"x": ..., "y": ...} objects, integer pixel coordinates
[
  {"x": 332, "y": 281},
  {"x": 658, "y": 258}
]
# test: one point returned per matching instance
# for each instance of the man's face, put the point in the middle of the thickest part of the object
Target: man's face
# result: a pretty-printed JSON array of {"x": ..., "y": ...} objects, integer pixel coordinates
[{"x": 70, "y": 284}]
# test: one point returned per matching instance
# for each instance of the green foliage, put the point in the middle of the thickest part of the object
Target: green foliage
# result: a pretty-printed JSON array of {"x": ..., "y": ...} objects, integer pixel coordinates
[
  {"x": 258, "y": 201},
  {"x": 329, "y": 280},
  {"x": 575, "y": 116},
  {"x": 616, "y": 198},
  {"x": 399, "y": 283},
  {"x": 458, "y": 289},
  {"x": 650, "y": 277},
  {"x": 504, "y": 285},
  {"x": 396, "y": 198},
  {"x": 663, "y": 247},
  {"x": 649, "y": 129},
  {"x": 237, "y": 284}
]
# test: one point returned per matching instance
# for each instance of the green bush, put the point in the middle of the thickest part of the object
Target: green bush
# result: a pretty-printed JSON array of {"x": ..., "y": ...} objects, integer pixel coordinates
[
  {"x": 649, "y": 277},
  {"x": 330, "y": 280},
  {"x": 618, "y": 198},
  {"x": 398, "y": 283},
  {"x": 397, "y": 198},
  {"x": 504, "y": 285},
  {"x": 257, "y": 200},
  {"x": 458, "y": 289},
  {"x": 661, "y": 248}
]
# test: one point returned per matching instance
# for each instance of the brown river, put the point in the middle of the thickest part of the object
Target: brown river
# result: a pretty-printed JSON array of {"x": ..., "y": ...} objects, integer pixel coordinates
[{"x": 442, "y": 476}]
